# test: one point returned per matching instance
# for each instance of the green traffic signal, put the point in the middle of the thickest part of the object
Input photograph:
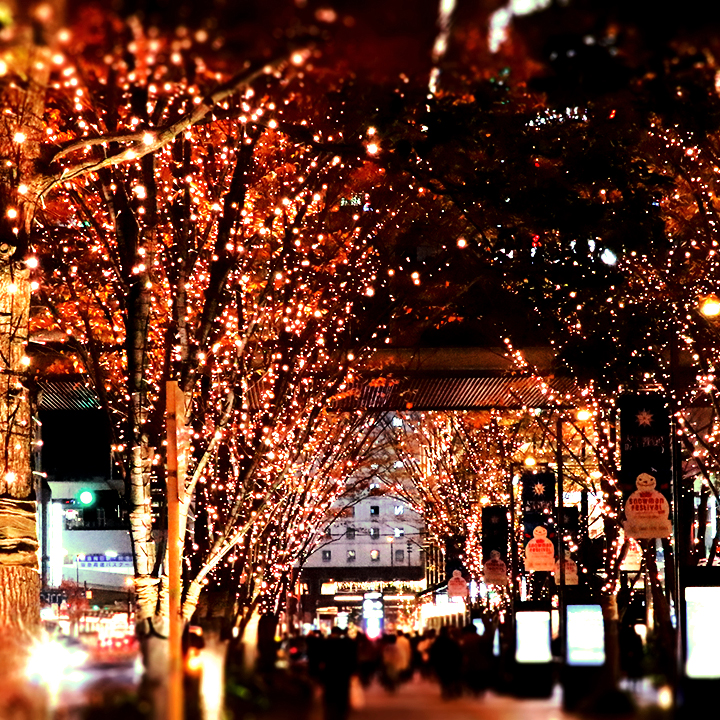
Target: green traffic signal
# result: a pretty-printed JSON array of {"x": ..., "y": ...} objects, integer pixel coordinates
[{"x": 87, "y": 497}]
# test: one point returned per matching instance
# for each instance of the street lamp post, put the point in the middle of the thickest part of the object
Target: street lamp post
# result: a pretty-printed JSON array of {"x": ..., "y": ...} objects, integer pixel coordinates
[{"x": 561, "y": 538}]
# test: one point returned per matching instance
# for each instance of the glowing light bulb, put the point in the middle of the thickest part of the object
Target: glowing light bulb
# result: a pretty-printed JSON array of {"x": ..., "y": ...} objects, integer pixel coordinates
[{"x": 710, "y": 306}]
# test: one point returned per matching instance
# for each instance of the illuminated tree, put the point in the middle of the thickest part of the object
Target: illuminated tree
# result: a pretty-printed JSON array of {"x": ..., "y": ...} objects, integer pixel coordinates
[
  {"x": 240, "y": 255},
  {"x": 39, "y": 79},
  {"x": 25, "y": 66}
]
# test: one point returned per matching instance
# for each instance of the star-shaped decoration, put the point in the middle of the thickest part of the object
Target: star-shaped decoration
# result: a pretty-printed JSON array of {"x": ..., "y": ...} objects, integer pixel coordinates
[
  {"x": 539, "y": 488},
  {"x": 644, "y": 418}
]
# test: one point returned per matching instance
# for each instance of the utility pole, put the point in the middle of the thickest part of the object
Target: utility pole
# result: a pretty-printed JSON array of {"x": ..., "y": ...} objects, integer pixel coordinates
[{"x": 561, "y": 538}]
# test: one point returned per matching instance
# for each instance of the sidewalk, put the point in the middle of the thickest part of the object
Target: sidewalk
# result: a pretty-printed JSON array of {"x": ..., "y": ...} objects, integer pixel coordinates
[{"x": 420, "y": 700}]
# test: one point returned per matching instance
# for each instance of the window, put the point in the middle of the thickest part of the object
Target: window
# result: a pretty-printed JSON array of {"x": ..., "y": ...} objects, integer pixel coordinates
[
  {"x": 328, "y": 532},
  {"x": 350, "y": 533},
  {"x": 399, "y": 532},
  {"x": 348, "y": 512},
  {"x": 399, "y": 509},
  {"x": 374, "y": 510},
  {"x": 351, "y": 556},
  {"x": 327, "y": 555},
  {"x": 399, "y": 556},
  {"x": 375, "y": 533},
  {"x": 374, "y": 555}
]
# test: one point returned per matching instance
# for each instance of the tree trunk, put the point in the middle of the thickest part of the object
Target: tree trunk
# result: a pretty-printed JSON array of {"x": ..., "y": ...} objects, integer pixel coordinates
[
  {"x": 612, "y": 639},
  {"x": 19, "y": 610},
  {"x": 19, "y": 580},
  {"x": 154, "y": 687},
  {"x": 666, "y": 639},
  {"x": 22, "y": 137},
  {"x": 212, "y": 682}
]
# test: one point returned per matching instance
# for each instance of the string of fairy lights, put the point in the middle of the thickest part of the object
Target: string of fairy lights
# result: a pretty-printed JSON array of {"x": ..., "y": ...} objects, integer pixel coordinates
[
  {"x": 251, "y": 241},
  {"x": 233, "y": 195}
]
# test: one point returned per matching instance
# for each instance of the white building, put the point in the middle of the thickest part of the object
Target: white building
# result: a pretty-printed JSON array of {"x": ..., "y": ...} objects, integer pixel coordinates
[
  {"x": 377, "y": 532},
  {"x": 375, "y": 544}
]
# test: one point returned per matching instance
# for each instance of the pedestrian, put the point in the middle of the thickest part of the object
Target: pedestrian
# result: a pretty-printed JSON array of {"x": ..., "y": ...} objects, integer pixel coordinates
[
  {"x": 632, "y": 653},
  {"x": 475, "y": 660},
  {"x": 393, "y": 660},
  {"x": 446, "y": 661},
  {"x": 424, "y": 646},
  {"x": 405, "y": 647},
  {"x": 367, "y": 657},
  {"x": 314, "y": 647},
  {"x": 339, "y": 662}
]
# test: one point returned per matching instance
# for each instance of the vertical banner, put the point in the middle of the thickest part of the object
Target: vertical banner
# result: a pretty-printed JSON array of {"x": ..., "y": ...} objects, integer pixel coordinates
[
  {"x": 494, "y": 531},
  {"x": 494, "y": 544},
  {"x": 646, "y": 466},
  {"x": 538, "y": 507},
  {"x": 454, "y": 553}
]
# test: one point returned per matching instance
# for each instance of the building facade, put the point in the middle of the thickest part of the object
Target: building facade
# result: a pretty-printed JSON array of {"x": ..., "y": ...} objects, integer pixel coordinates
[{"x": 374, "y": 544}]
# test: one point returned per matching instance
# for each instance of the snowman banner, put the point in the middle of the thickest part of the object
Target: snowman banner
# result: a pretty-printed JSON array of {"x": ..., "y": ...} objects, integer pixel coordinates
[
  {"x": 540, "y": 552},
  {"x": 646, "y": 466},
  {"x": 538, "y": 507}
]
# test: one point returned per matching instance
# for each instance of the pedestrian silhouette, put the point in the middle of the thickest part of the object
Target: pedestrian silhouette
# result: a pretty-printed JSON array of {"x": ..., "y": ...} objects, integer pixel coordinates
[{"x": 339, "y": 662}]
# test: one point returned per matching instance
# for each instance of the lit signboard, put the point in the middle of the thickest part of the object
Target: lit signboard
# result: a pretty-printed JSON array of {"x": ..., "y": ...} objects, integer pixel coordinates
[
  {"x": 585, "y": 635},
  {"x": 532, "y": 636},
  {"x": 373, "y": 612},
  {"x": 703, "y": 632}
]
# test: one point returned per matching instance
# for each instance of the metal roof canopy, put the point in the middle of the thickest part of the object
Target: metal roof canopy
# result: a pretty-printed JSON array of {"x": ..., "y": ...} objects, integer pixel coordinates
[
  {"x": 410, "y": 379},
  {"x": 66, "y": 395},
  {"x": 458, "y": 379}
]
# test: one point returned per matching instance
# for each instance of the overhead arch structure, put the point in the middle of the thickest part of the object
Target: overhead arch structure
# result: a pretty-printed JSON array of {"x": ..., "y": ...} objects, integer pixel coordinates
[{"x": 459, "y": 379}]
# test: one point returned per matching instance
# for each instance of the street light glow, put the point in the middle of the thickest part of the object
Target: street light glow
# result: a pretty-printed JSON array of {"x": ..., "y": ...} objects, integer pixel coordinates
[{"x": 710, "y": 306}]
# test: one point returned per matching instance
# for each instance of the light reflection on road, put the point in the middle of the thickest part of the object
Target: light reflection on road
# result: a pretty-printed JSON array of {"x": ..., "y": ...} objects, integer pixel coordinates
[{"x": 98, "y": 683}]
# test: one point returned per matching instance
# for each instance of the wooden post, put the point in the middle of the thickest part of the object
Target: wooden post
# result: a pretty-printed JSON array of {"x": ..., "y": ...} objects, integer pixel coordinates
[{"x": 174, "y": 417}]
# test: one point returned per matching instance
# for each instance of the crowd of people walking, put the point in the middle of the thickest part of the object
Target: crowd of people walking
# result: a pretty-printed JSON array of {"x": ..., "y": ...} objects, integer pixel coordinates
[{"x": 458, "y": 658}]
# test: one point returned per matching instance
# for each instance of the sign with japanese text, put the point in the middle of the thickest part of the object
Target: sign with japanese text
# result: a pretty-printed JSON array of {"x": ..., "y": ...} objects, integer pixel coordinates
[
  {"x": 495, "y": 570},
  {"x": 646, "y": 466},
  {"x": 538, "y": 508},
  {"x": 571, "y": 570},
  {"x": 457, "y": 585},
  {"x": 540, "y": 552}
]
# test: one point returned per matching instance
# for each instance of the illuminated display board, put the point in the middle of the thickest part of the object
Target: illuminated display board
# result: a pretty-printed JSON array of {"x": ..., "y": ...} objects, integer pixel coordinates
[
  {"x": 703, "y": 632},
  {"x": 585, "y": 635},
  {"x": 532, "y": 636}
]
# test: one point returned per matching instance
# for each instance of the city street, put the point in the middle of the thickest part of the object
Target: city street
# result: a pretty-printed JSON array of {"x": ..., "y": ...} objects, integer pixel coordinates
[
  {"x": 420, "y": 700},
  {"x": 102, "y": 685},
  {"x": 355, "y": 340}
]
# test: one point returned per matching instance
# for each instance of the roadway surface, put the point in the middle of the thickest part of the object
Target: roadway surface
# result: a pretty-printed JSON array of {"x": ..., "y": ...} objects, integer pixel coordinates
[{"x": 420, "y": 700}]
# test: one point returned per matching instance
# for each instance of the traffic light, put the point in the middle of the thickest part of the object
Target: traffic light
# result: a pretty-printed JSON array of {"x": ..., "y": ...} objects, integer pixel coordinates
[{"x": 86, "y": 497}]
